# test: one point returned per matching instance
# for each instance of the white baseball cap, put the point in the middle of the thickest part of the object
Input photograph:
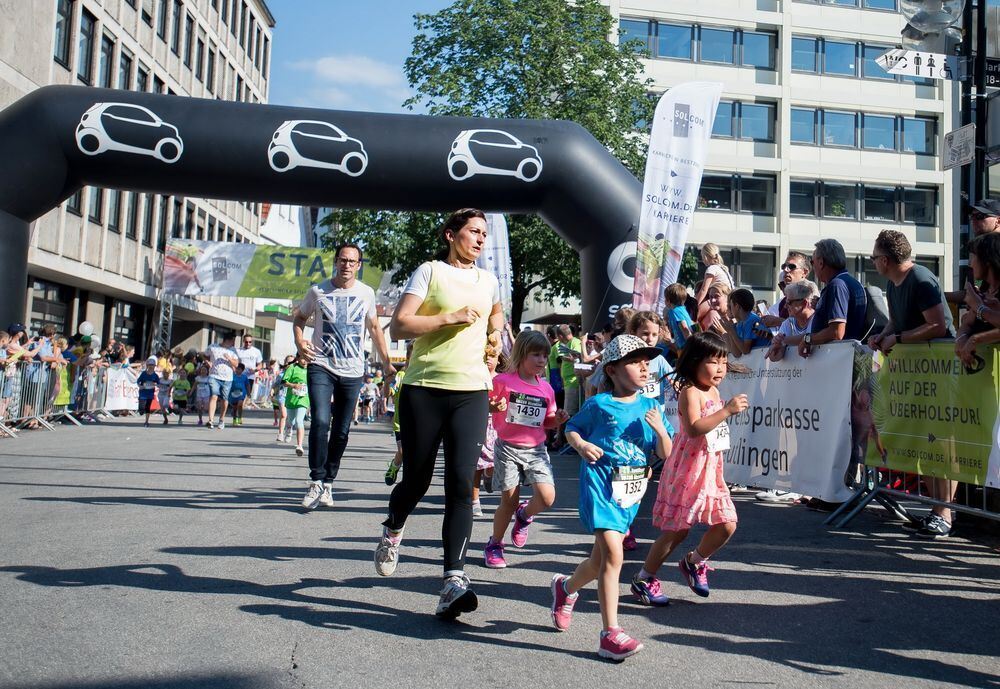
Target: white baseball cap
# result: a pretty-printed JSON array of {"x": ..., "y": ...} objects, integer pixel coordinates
[
  {"x": 151, "y": 361},
  {"x": 627, "y": 345}
]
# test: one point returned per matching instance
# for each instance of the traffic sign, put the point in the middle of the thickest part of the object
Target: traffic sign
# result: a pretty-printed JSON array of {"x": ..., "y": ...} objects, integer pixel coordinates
[
  {"x": 917, "y": 63},
  {"x": 992, "y": 76},
  {"x": 959, "y": 147}
]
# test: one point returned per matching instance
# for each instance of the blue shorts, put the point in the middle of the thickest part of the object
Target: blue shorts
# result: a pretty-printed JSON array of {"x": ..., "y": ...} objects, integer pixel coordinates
[{"x": 219, "y": 387}]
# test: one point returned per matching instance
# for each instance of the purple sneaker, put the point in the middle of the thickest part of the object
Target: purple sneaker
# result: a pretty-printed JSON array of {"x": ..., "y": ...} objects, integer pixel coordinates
[
  {"x": 493, "y": 554},
  {"x": 519, "y": 534},
  {"x": 648, "y": 592},
  {"x": 696, "y": 576},
  {"x": 562, "y": 603}
]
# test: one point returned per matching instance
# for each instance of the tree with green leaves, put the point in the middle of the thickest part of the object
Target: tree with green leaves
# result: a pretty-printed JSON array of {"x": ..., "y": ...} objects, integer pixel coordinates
[{"x": 535, "y": 59}]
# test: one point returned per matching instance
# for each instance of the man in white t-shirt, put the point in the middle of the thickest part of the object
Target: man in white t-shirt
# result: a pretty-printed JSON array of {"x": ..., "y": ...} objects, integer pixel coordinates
[
  {"x": 344, "y": 316},
  {"x": 220, "y": 378},
  {"x": 249, "y": 356}
]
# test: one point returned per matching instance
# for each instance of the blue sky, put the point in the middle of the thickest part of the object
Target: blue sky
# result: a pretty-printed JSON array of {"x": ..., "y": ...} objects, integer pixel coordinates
[{"x": 343, "y": 54}]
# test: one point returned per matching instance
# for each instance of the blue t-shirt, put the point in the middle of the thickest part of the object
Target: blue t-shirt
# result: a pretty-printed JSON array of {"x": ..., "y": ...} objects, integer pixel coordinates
[
  {"x": 147, "y": 385},
  {"x": 238, "y": 391},
  {"x": 619, "y": 428},
  {"x": 747, "y": 330},
  {"x": 843, "y": 299},
  {"x": 676, "y": 316},
  {"x": 658, "y": 385}
]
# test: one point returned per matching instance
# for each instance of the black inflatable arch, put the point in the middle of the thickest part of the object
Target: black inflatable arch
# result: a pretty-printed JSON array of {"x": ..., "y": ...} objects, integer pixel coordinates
[{"x": 59, "y": 138}]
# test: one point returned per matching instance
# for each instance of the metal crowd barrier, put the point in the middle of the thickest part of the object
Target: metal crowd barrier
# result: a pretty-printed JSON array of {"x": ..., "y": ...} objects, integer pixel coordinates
[
  {"x": 27, "y": 396},
  {"x": 260, "y": 393}
]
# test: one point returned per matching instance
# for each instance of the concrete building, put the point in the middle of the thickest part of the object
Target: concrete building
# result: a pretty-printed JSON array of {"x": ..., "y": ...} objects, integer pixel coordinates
[
  {"x": 812, "y": 138},
  {"x": 98, "y": 256}
]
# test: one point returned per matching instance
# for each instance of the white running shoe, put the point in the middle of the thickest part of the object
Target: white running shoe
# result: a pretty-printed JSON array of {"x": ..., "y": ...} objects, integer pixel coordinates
[
  {"x": 776, "y": 496},
  {"x": 222, "y": 424},
  {"x": 456, "y": 598},
  {"x": 280, "y": 438},
  {"x": 326, "y": 497},
  {"x": 299, "y": 451},
  {"x": 387, "y": 552},
  {"x": 312, "y": 496}
]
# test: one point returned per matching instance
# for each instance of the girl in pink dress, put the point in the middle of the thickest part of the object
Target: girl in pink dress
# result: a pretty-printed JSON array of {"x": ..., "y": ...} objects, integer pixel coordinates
[{"x": 692, "y": 489}]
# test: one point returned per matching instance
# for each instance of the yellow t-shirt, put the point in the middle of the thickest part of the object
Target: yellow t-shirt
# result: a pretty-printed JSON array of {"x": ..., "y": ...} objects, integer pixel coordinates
[{"x": 451, "y": 357}]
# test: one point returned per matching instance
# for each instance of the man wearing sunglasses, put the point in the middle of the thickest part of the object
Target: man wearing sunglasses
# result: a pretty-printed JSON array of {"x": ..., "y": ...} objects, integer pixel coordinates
[
  {"x": 343, "y": 309},
  {"x": 796, "y": 267},
  {"x": 984, "y": 218}
]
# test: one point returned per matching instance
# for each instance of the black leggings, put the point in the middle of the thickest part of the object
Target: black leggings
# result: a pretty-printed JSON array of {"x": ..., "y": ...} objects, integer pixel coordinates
[{"x": 426, "y": 417}]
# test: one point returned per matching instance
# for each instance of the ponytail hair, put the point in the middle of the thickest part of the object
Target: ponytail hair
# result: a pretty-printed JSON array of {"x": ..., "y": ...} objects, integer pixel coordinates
[{"x": 455, "y": 222}]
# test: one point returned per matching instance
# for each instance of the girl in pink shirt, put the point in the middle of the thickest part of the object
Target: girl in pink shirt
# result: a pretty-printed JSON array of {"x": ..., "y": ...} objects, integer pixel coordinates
[{"x": 523, "y": 407}]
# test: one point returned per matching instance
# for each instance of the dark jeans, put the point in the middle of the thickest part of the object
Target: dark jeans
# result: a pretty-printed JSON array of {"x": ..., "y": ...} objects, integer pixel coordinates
[
  {"x": 331, "y": 424},
  {"x": 428, "y": 416}
]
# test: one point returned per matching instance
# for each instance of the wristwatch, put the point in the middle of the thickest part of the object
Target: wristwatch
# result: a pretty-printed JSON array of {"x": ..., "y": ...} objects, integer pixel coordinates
[
  {"x": 808, "y": 339},
  {"x": 980, "y": 311}
]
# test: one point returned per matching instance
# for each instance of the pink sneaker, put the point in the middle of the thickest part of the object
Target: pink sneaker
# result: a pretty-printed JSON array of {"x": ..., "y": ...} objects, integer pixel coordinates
[
  {"x": 617, "y": 645},
  {"x": 629, "y": 542},
  {"x": 493, "y": 555},
  {"x": 562, "y": 603},
  {"x": 519, "y": 534}
]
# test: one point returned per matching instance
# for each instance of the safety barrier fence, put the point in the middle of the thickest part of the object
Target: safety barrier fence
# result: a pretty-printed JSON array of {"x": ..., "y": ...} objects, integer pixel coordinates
[
  {"x": 260, "y": 393},
  {"x": 851, "y": 426},
  {"x": 34, "y": 394}
]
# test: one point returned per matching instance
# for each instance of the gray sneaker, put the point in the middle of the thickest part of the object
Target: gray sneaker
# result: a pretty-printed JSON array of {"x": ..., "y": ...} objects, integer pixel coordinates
[
  {"x": 477, "y": 509},
  {"x": 935, "y": 527},
  {"x": 387, "y": 552},
  {"x": 326, "y": 497},
  {"x": 313, "y": 495},
  {"x": 456, "y": 598},
  {"x": 776, "y": 496}
]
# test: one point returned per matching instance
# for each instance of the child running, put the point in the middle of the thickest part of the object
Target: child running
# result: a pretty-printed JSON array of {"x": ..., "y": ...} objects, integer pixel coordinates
[
  {"x": 147, "y": 382},
  {"x": 180, "y": 390},
  {"x": 692, "y": 489},
  {"x": 202, "y": 392},
  {"x": 614, "y": 434},
  {"x": 393, "y": 390},
  {"x": 278, "y": 392},
  {"x": 238, "y": 393},
  {"x": 524, "y": 406},
  {"x": 297, "y": 403}
]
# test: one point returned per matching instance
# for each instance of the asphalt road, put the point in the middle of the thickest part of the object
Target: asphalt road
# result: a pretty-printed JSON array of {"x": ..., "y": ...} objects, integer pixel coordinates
[{"x": 179, "y": 557}]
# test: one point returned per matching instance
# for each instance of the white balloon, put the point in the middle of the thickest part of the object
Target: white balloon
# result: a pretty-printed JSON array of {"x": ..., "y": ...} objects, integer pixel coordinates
[
  {"x": 86, "y": 328},
  {"x": 95, "y": 342}
]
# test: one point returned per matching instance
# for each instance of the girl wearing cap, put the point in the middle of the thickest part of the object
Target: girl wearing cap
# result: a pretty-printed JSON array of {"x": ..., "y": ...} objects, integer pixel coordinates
[{"x": 614, "y": 434}]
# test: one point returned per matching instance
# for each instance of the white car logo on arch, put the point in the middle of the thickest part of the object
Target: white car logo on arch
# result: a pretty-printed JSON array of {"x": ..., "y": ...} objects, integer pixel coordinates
[
  {"x": 130, "y": 129},
  {"x": 312, "y": 143},
  {"x": 492, "y": 152}
]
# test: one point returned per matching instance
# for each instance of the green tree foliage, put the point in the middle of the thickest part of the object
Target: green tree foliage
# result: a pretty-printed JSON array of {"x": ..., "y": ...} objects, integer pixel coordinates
[{"x": 537, "y": 59}]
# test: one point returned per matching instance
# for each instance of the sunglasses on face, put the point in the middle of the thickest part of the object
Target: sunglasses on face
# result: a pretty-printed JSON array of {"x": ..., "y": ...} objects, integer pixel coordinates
[
  {"x": 789, "y": 267},
  {"x": 978, "y": 216}
]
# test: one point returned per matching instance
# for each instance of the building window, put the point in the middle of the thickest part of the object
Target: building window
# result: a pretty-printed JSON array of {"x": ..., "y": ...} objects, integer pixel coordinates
[
  {"x": 224, "y": 13},
  {"x": 188, "y": 39},
  {"x": 878, "y": 132},
  {"x": 210, "y": 70},
  {"x": 159, "y": 86},
  {"x": 265, "y": 55},
  {"x": 233, "y": 18},
  {"x": 879, "y": 203},
  {"x": 95, "y": 213},
  {"x": 64, "y": 26},
  {"x": 840, "y": 201},
  {"x": 674, "y": 41},
  {"x": 931, "y": 263},
  {"x": 263, "y": 337},
  {"x": 256, "y": 47},
  {"x": 199, "y": 60},
  {"x": 870, "y": 68},
  {"x": 132, "y": 215},
  {"x": 147, "y": 219},
  {"x": 756, "y": 121},
  {"x": 803, "y": 126},
  {"x": 758, "y": 49},
  {"x": 717, "y": 45},
  {"x": 161, "y": 224},
  {"x": 636, "y": 32},
  {"x": 243, "y": 25},
  {"x": 161, "y": 22},
  {"x": 839, "y": 128},
  {"x": 128, "y": 323},
  {"x": 50, "y": 303},
  {"x": 178, "y": 227},
  {"x": 919, "y": 134},
  {"x": 175, "y": 36},
  {"x": 114, "y": 209},
  {"x": 106, "y": 64},
  {"x": 920, "y": 206},
  {"x": 125, "y": 70},
  {"x": 757, "y": 195},
  {"x": 756, "y": 268},
  {"x": 840, "y": 58},
  {"x": 141, "y": 78},
  {"x": 722, "y": 127},
  {"x": 238, "y": 94},
  {"x": 802, "y": 198},
  {"x": 147, "y": 12},
  {"x": 716, "y": 192},
  {"x": 742, "y": 193},
  {"x": 804, "y": 54},
  {"x": 74, "y": 203}
]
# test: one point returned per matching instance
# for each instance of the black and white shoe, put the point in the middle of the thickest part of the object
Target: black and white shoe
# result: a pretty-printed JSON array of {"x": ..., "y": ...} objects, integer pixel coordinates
[
  {"x": 935, "y": 527},
  {"x": 456, "y": 598}
]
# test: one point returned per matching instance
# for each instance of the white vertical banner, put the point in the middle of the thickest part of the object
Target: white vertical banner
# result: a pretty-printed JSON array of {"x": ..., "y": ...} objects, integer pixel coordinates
[
  {"x": 495, "y": 257},
  {"x": 678, "y": 142},
  {"x": 122, "y": 391}
]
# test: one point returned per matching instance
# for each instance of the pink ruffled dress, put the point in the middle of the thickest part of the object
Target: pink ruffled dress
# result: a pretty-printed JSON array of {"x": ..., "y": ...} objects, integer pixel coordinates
[{"x": 692, "y": 489}]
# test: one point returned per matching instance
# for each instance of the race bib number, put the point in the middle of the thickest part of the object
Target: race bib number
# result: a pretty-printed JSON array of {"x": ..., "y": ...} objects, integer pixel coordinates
[
  {"x": 651, "y": 389},
  {"x": 718, "y": 438},
  {"x": 148, "y": 385},
  {"x": 236, "y": 395},
  {"x": 526, "y": 410},
  {"x": 628, "y": 485},
  {"x": 300, "y": 390}
]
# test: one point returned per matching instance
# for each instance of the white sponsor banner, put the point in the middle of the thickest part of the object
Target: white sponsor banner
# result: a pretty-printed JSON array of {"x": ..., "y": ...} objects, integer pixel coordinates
[
  {"x": 678, "y": 142},
  {"x": 495, "y": 257},
  {"x": 796, "y": 434},
  {"x": 123, "y": 392}
]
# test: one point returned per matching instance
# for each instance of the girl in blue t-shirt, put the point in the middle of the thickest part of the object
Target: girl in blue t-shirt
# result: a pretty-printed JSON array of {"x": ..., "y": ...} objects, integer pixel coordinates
[
  {"x": 614, "y": 434},
  {"x": 238, "y": 393}
]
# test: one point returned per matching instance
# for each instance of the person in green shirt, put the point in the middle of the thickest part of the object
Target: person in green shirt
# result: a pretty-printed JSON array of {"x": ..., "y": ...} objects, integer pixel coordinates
[
  {"x": 570, "y": 351},
  {"x": 297, "y": 403},
  {"x": 179, "y": 391}
]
